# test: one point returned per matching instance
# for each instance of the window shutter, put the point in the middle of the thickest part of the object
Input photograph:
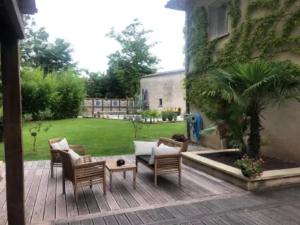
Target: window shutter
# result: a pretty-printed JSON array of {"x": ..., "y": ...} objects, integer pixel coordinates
[
  {"x": 218, "y": 20},
  {"x": 222, "y": 20}
]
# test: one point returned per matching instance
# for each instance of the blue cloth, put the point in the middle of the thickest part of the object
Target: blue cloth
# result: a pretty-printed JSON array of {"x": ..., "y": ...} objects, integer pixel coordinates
[{"x": 197, "y": 126}]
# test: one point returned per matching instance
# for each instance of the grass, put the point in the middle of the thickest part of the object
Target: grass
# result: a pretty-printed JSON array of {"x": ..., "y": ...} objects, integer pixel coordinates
[{"x": 101, "y": 137}]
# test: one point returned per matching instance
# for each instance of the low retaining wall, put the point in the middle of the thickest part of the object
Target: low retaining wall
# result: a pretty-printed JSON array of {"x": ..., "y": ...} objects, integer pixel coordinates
[{"x": 268, "y": 179}]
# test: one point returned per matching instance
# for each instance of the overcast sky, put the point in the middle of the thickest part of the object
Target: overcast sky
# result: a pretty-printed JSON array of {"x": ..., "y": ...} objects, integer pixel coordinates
[{"x": 85, "y": 23}]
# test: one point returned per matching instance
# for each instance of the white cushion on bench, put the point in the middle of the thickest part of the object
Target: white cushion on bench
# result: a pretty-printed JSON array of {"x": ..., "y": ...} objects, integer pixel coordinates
[
  {"x": 162, "y": 149},
  {"x": 61, "y": 145},
  {"x": 144, "y": 147}
]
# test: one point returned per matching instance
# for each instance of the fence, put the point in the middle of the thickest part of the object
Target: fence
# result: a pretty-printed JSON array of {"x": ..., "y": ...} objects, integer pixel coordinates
[{"x": 95, "y": 107}]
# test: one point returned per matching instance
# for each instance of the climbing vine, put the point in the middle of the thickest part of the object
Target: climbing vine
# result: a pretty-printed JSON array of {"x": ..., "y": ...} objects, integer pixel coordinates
[
  {"x": 250, "y": 37},
  {"x": 234, "y": 12},
  {"x": 266, "y": 29}
]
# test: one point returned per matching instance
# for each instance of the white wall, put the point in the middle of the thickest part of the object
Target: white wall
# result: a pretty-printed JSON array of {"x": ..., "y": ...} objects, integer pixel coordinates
[{"x": 168, "y": 87}]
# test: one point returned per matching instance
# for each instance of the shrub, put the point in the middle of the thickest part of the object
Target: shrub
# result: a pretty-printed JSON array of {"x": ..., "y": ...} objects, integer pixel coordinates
[
  {"x": 51, "y": 96},
  {"x": 68, "y": 96},
  {"x": 36, "y": 92},
  {"x": 151, "y": 115},
  {"x": 164, "y": 116},
  {"x": 250, "y": 167}
]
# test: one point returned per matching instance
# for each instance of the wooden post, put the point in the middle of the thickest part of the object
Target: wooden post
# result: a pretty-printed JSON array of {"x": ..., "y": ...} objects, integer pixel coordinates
[
  {"x": 93, "y": 107},
  {"x": 12, "y": 112}
]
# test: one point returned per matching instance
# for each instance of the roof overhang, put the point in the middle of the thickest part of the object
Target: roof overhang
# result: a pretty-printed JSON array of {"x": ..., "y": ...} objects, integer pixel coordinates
[
  {"x": 11, "y": 22},
  {"x": 176, "y": 4},
  {"x": 27, "y": 7}
]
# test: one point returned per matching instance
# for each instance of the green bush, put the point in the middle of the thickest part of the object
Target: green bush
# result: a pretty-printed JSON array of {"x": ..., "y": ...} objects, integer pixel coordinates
[
  {"x": 150, "y": 115},
  {"x": 37, "y": 91},
  {"x": 250, "y": 167},
  {"x": 68, "y": 96},
  {"x": 169, "y": 115},
  {"x": 52, "y": 96}
]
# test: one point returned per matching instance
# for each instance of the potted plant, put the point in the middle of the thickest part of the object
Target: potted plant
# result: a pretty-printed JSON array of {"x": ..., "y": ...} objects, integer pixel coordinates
[{"x": 250, "y": 167}]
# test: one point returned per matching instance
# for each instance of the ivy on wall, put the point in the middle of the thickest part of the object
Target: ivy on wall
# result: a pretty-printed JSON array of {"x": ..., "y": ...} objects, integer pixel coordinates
[{"x": 251, "y": 37}]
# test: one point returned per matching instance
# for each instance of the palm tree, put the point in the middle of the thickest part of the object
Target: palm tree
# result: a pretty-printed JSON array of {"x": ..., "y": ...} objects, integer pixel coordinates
[{"x": 252, "y": 87}]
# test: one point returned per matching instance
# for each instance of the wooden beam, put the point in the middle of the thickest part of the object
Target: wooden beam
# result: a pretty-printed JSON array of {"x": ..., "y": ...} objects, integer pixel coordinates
[
  {"x": 14, "y": 18},
  {"x": 12, "y": 112}
]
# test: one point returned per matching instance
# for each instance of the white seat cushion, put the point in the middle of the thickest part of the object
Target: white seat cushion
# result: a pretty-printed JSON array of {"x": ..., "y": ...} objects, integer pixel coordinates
[
  {"x": 162, "y": 149},
  {"x": 76, "y": 159},
  {"x": 61, "y": 145},
  {"x": 144, "y": 147}
]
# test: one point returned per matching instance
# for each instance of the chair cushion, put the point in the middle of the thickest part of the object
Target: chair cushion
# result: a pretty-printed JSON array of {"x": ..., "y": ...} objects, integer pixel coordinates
[
  {"x": 76, "y": 159},
  {"x": 61, "y": 145},
  {"x": 162, "y": 149},
  {"x": 144, "y": 147}
]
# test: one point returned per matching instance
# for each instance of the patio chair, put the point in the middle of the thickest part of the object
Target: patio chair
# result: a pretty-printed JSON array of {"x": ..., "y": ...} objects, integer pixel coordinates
[
  {"x": 55, "y": 156},
  {"x": 86, "y": 173},
  {"x": 165, "y": 163}
]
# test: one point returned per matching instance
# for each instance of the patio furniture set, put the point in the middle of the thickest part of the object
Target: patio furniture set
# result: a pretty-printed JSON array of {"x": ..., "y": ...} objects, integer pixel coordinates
[{"x": 162, "y": 157}]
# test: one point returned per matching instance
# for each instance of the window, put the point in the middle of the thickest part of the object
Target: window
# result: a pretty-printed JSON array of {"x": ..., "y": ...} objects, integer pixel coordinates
[
  {"x": 217, "y": 19},
  {"x": 160, "y": 103}
]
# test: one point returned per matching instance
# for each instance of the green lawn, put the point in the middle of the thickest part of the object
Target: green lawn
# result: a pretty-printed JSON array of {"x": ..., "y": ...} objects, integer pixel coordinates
[{"x": 101, "y": 137}]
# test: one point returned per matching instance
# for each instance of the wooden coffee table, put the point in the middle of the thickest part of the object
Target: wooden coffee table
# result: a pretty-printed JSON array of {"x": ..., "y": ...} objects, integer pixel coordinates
[{"x": 111, "y": 166}]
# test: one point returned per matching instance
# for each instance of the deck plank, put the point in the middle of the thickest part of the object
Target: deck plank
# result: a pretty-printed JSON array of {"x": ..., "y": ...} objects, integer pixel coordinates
[
  {"x": 134, "y": 219},
  {"x": 90, "y": 200},
  {"x": 128, "y": 184},
  {"x": 70, "y": 201},
  {"x": 101, "y": 198},
  {"x": 38, "y": 212},
  {"x": 32, "y": 195},
  {"x": 50, "y": 199},
  {"x": 60, "y": 206},
  {"x": 122, "y": 219},
  {"x": 111, "y": 220}
]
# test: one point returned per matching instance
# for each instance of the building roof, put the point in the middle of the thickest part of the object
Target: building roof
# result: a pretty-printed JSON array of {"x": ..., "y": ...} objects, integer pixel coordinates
[
  {"x": 165, "y": 73},
  {"x": 27, "y": 6},
  {"x": 176, "y": 4}
]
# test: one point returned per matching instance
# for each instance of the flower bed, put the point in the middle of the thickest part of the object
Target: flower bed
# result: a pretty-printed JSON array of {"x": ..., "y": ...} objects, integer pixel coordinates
[{"x": 220, "y": 163}]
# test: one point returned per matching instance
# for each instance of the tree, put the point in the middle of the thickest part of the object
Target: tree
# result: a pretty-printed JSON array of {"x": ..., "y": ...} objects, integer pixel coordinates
[
  {"x": 69, "y": 94},
  {"x": 249, "y": 88},
  {"x": 103, "y": 86},
  {"x": 133, "y": 60},
  {"x": 37, "y": 51},
  {"x": 37, "y": 91}
]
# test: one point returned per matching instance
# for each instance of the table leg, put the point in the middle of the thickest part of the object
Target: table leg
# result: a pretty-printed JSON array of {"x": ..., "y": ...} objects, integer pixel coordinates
[
  {"x": 124, "y": 174},
  {"x": 110, "y": 180},
  {"x": 134, "y": 178}
]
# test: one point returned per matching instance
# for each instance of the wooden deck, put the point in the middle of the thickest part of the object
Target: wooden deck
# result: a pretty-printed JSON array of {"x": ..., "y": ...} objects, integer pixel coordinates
[
  {"x": 280, "y": 207},
  {"x": 45, "y": 202}
]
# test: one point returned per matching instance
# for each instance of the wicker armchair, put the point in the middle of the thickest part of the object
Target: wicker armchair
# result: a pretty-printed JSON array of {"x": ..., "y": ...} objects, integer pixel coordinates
[
  {"x": 164, "y": 164},
  {"x": 86, "y": 173},
  {"x": 55, "y": 156}
]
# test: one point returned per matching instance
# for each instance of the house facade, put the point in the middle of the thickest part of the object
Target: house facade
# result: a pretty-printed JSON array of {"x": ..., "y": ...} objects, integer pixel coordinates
[
  {"x": 221, "y": 32},
  {"x": 164, "y": 91}
]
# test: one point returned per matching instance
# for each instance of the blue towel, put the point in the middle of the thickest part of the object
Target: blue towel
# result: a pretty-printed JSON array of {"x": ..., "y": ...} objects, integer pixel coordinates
[{"x": 197, "y": 126}]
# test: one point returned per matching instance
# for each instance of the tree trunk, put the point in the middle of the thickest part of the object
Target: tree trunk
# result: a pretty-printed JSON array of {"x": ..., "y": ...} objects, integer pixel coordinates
[{"x": 254, "y": 137}]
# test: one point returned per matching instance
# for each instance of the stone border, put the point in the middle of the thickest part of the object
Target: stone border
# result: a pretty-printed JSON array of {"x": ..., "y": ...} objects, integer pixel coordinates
[{"x": 268, "y": 179}]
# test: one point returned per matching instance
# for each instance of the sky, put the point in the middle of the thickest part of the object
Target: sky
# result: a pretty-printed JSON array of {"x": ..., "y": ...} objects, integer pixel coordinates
[{"x": 85, "y": 23}]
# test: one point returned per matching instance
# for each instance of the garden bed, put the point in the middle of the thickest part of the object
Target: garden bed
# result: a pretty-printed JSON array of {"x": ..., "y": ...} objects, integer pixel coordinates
[
  {"x": 229, "y": 159},
  {"x": 220, "y": 163}
]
